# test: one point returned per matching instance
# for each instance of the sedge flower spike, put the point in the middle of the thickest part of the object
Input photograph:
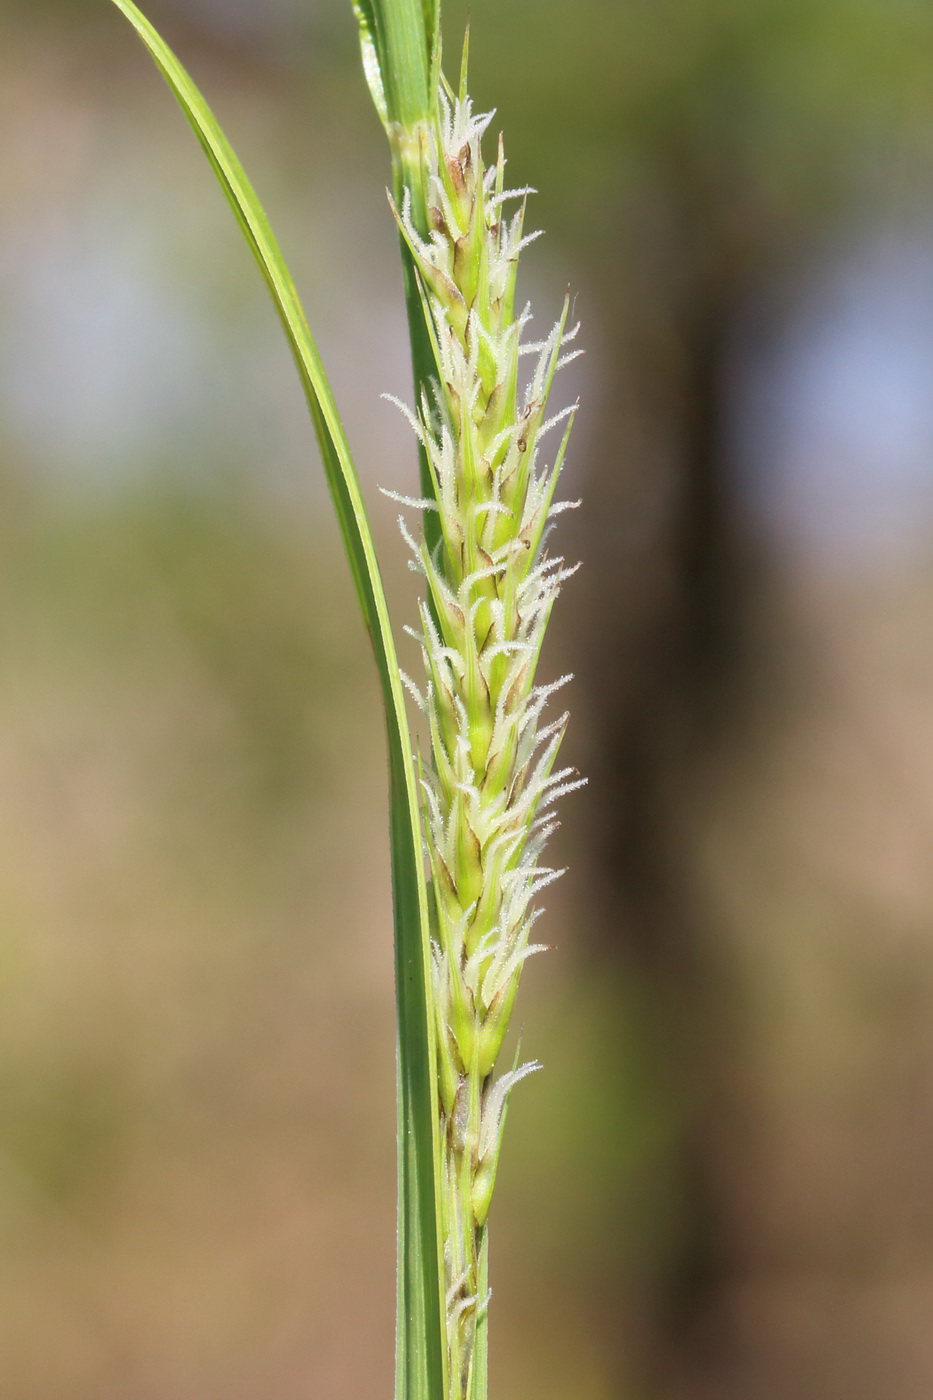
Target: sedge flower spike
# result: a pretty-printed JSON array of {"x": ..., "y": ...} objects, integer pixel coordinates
[{"x": 491, "y": 779}]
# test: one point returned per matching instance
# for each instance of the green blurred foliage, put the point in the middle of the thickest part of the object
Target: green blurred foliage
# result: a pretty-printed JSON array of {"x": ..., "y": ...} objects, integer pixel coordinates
[{"x": 784, "y": 92}]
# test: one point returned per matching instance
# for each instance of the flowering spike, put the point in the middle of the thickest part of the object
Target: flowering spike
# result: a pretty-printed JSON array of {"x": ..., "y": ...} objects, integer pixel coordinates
[{"x": 490, "y": 780}]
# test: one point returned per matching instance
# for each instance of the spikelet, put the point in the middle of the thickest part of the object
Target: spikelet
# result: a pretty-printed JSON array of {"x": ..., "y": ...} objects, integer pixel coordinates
[{"x": 492, "y": 778}]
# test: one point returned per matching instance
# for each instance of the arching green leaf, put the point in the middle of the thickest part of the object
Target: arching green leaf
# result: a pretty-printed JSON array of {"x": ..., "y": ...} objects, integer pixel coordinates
[{"x": 421, "y": 1356}]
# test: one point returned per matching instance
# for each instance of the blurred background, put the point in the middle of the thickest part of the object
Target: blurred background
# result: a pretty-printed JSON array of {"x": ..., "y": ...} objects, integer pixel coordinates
[{"x": 721, "y": 1188}]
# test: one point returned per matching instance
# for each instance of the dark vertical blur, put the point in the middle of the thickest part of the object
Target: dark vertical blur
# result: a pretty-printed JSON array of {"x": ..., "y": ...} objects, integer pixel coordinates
[{"x": 720, "y": 1188}]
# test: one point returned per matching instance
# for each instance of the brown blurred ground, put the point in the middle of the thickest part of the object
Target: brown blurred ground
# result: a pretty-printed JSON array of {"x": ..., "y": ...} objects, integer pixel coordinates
[{"x": 720, "y": 1188}]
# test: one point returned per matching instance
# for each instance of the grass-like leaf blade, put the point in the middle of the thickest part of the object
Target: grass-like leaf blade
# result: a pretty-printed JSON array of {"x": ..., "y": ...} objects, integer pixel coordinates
[
  {"x": 403, "y": 30},
  {"x": 421, "y": 1352},
  {"x": 400, "y": 41}
]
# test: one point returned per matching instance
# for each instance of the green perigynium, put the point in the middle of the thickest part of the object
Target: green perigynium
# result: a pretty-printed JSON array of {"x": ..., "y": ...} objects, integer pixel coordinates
[{"x": 490, "y": 781}]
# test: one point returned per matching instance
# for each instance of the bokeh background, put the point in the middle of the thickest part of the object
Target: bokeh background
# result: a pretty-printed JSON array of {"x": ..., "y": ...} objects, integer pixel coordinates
[{"x": 722, "y": 1186}]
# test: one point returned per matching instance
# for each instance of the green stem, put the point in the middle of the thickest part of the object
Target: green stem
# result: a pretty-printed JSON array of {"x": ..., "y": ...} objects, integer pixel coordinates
[{"x": 405, "y": 56}]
